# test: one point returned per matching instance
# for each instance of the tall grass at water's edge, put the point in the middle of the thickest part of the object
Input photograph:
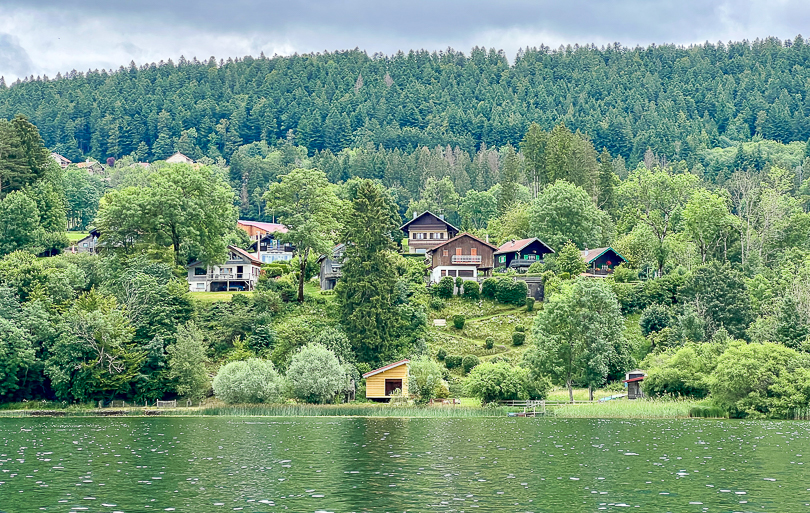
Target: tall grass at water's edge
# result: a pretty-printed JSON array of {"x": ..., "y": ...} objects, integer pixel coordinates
[{"x": 624, "y": 409}]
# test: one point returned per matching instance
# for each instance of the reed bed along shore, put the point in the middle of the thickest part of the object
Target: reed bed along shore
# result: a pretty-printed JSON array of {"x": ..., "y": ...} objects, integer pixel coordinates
[{"x": 624, "y": 409}]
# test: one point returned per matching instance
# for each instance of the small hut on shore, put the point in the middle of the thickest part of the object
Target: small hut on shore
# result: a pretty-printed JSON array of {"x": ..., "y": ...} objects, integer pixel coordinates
[
  {"x": 382, "y": 383},
  {"x": 633, "y": 382}
]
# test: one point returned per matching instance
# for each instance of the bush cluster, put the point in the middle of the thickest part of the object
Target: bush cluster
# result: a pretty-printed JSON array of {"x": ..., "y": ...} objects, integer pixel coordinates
[
  {"x": 452, "y": 361},
  {"x": 472, "y": 290},
  {"x": 511, "y": 292},
  {"x": 489, "y": 343},
  {"x": 518, "y": 338},
  {"x": 458, "y": 321},
  {"x": 529, "y": 304},
  {"x": 444, "y": 289},
  {"x": 469, "y": 362},
  {"x": 441, "y": 354}
]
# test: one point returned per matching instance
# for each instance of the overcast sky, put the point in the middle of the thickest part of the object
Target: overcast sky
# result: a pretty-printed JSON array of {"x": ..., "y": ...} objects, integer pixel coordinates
[{"x": 47, "y": 36}]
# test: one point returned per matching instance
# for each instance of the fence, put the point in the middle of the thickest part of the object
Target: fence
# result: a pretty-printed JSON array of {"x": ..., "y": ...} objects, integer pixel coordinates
[{"x": 167, "y": 404}]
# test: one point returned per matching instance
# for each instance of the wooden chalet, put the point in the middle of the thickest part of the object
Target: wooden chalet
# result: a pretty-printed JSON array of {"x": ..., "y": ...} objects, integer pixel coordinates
[
  {"x": 267, "y": 247},
  {"x": 63, "y": 162},
  {"x": 381, "y": 383},
  {"x": 330, "y": 267},
  {"x": 633, "y": 383},
  {"x": 426, "y": 231},
  {"x": 239, "y": 272},
  {"x": 520, "y": 254},
  {"x": 463, "y": 255},
  {"x": 601, "y": 261}
]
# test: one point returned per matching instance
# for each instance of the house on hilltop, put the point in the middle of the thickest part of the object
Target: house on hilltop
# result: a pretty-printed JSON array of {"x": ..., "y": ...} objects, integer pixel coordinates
[
  {"x": 601, "y": 261},
  {"x": 330, "y": 267},
  {"x": 426, "y": 231},
  {"x": 239, "y": 272},
  {"x": 463, "y": 255},
  {"x": 267, "y": 248},
  {"x": 87, "y": 244},
  {"x": 179, "y": 158},
  {"x": 520, "y": 254},
  {"x": 62, "y": 161}
]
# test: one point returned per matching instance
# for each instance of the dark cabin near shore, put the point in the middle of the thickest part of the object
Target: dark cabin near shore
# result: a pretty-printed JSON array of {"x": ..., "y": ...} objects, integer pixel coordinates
[
  {"x": 426, "y": 231},
  {"x": 633, "y": 382},
  {"x": 520, "y": 254},
  {"x": 602, "y": 261}
]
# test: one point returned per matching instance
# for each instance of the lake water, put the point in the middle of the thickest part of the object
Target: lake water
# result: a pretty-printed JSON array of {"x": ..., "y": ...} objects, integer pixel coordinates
[{"x": 314, "y": 464}]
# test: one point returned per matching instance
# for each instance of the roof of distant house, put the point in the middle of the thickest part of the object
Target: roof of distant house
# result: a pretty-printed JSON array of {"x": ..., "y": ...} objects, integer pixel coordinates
[
  {"x": 387, "y": 367},
  {"x": 465, "y": 234},
  {"x": 267, "y": 227},
  {"x": 60, "y": 158},
  {"x": 517, "y": 245},
  {"x": 592, "y": 254},
  {"x": 242, "y": 252},
  {"x": 179, "y": 157}
]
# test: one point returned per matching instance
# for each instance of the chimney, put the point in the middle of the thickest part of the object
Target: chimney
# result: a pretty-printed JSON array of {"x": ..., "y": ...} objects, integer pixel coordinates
[
  {"x": 487, "y": 238},
  {"x": 441, "y": 216},
  {"x": 586, "y": 247},
  {"x": 414, "y": 214}
]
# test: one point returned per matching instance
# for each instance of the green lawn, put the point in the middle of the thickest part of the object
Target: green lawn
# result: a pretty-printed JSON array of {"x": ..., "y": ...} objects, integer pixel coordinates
[
  {"x": 76, "y": 236},
  {"x": 210, "y": 297}
]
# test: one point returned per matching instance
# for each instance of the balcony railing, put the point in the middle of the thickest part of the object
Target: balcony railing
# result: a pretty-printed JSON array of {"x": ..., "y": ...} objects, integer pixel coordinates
[
  {"x": 224, "y": 276},
  {"x": 466, "y": 259}
]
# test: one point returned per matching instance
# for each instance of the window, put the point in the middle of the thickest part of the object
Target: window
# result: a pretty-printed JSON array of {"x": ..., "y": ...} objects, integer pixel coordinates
[
  {"x": 84, "y": 244},
  {"x": 466, "y": 273},
  {"x": 199, "y": 271},
  {"x": 529, "y": 257},
  {"x": 458, "y": 251},
  {"x": 444, "y": 272},
  {"x": 474, "y": 251},
  {"x": 445, "y": 252},
  {"x": 502, "y": 259}
]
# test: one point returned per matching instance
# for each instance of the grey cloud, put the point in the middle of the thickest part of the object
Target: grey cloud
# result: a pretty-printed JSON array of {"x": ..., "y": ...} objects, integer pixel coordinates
[{"x": 14, "y": 60}]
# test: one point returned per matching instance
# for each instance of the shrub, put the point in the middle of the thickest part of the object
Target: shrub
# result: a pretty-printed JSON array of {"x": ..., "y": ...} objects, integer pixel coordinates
[
  {"x": 459, "y": 283},
  {"x": 518, "y": 338},
  {"x": 489, "y": 287},
  {"x": 512, "y": 292},
  {"x": 443, "y": 390},
  {"x": 437, "y": 304},
  {"x": 489, "y": 343},
  {"x": 521, "y": 328},
  {"x": 315, "y": 374},
  {"x": 441, "y": 354},
  {"x": 444, "y": 289},
  {"x": 472, "y": 290},
  {"x": 250, "y": 381},
  {"x": 623, "y": 274},
  {"x": 536, "y": 268},
  {"x": 469, "y": 362},
  {"x": 458, "y": 321},
  {"x": 498, "y": 381},
  {"x": 452, "y": 361},
  {"x": 529, "y": 304},
  {"x": 424, "y": 379}
]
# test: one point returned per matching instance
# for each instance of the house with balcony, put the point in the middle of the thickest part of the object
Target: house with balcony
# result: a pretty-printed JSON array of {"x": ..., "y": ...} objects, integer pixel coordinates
[
  {"x": 426, "y": 231},
  {"x": 601, "y": 261},
  {"x": 267, "y": 248},
  {"x": 239, "y": 272},
  {"x": 520, "y": 254},
  {"x": 463, "y": 255},
  {"x": 330, "y": 267}
]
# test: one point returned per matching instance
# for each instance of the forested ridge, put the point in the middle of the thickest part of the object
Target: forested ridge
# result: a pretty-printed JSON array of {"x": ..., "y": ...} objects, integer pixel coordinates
[{"x": 674, "y": 100}]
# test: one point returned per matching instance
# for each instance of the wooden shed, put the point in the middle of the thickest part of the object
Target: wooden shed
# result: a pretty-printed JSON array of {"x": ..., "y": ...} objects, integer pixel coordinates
[
  {"x": 633, "y": 383},
  {"x": 381, "y": 383}
]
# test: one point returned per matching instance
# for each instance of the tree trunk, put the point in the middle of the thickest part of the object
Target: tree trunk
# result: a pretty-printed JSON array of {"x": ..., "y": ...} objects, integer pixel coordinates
[
  {"x": 302, "y": 268},
  {"x": 570, "y": 390},
  {"x": 590, "y": 393}
]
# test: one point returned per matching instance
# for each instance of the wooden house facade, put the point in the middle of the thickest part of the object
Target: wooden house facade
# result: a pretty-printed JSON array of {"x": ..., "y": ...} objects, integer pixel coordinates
[
  {"x": 267, "y": 248},
  {"x": 601, "y": 261},
  {"x": 463, "y": 255},
  {"x": 383, "y": 382},
  {"x": 633, "y": 383},
  {"x": 520, "y": 254},
  {"x": 330, "y": 267},
  {"x": 426, "y": 231},
  {"x": 239, "y": 272}
]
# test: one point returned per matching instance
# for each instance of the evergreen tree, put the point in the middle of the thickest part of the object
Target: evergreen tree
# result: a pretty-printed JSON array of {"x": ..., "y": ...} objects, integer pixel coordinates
[{"x": 367, "y": 288}]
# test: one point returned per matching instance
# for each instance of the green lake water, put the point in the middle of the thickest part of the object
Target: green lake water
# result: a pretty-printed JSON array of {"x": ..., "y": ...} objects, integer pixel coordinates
[{"x": 320, "y": 464}]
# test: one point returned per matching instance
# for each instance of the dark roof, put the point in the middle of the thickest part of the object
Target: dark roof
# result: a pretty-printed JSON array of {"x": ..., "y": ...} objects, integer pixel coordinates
[
  {"x": 592, "y": 254},
  {"x": 465, "y": 234},
  {"x": 387, "y": 367},
  {"x": 427, "y": 212},
  {"x": 517, "y": 245},
  {"x": 337, "y": 249},
  {"x": 632, "y": 380}
]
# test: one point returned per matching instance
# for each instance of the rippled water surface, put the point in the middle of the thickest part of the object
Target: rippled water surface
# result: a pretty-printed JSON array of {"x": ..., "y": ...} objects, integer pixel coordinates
[{"x": 358, "y": 464}]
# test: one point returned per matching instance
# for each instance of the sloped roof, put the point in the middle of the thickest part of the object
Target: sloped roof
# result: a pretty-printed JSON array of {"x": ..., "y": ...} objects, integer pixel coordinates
[
  {"x": 387, "y": 367},
  {"x": 517, "y": 245},
  {"x": 465, "y": 234},
  {"x": 423, "y": 214},
  {"x": 179, "y": 157},
  {"x": 592, "y": 254},
  {"x": 242, "y": 252},
  {"x": 268, "y": 227}
]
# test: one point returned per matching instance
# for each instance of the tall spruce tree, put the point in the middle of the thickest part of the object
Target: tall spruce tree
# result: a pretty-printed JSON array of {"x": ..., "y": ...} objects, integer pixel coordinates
[{"x": 367, "y": 288}]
